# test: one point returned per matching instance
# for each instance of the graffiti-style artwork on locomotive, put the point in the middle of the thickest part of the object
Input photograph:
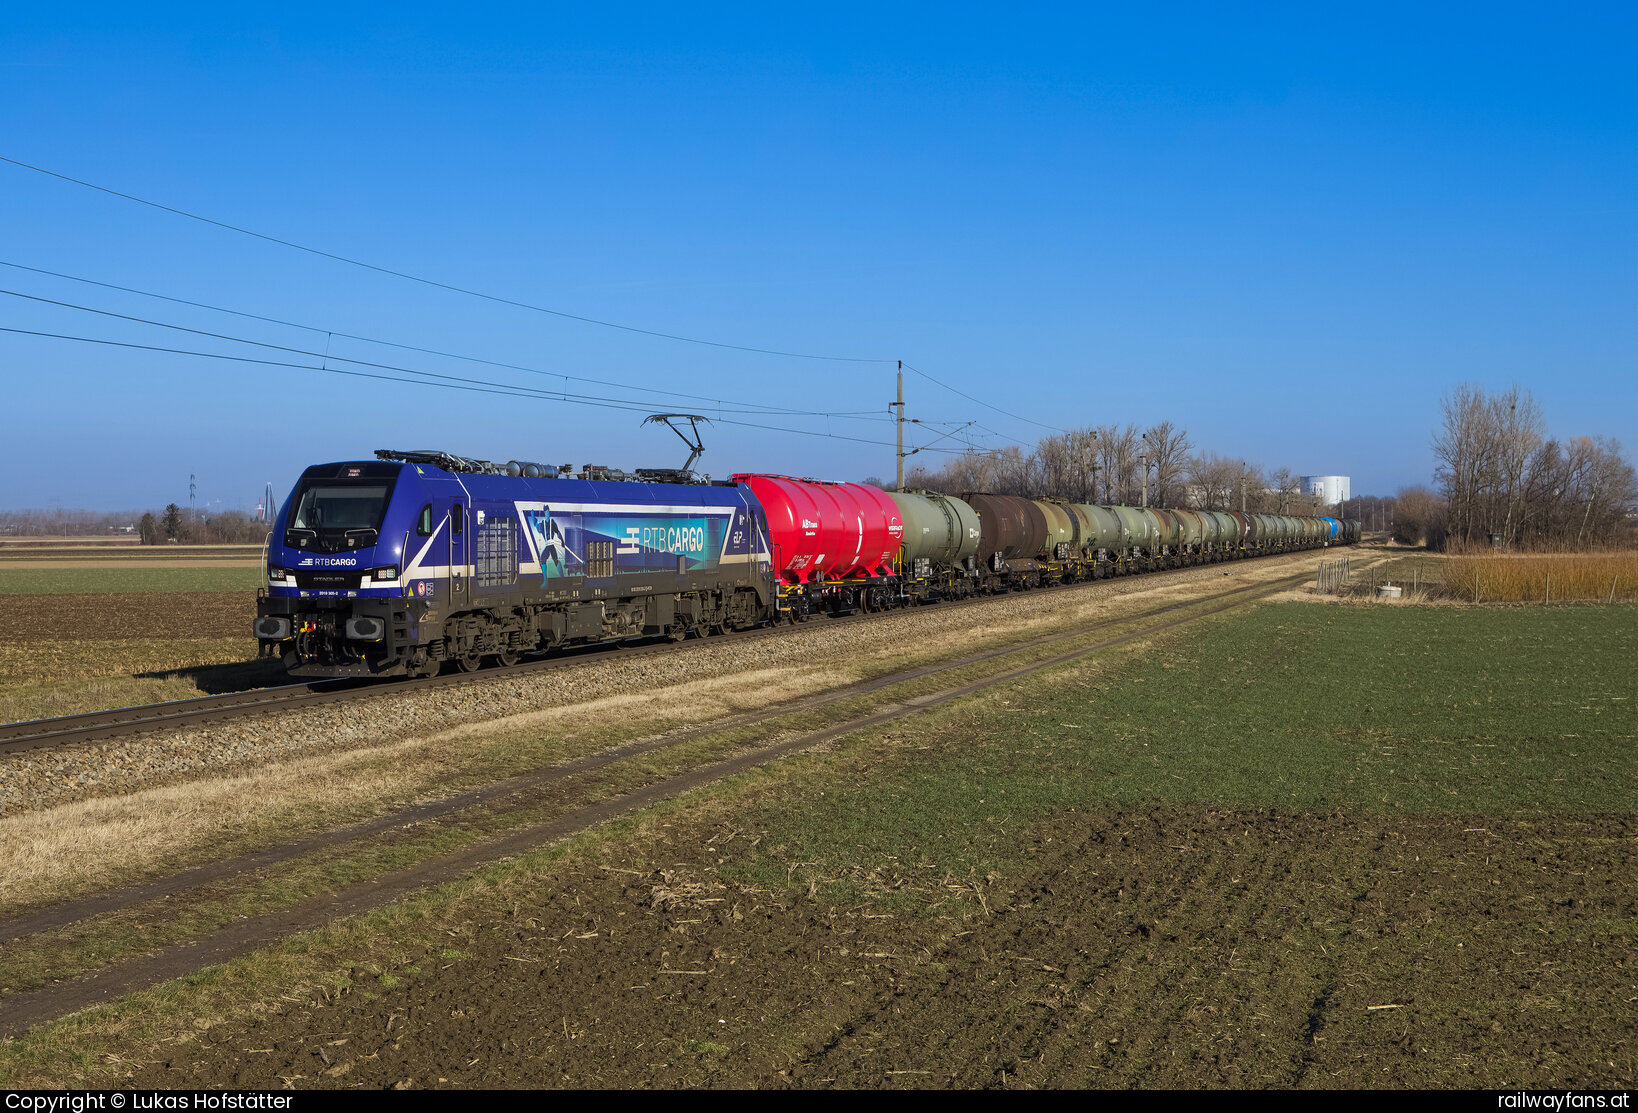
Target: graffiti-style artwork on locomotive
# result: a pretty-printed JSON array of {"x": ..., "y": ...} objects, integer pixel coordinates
[
  {"x": 582, "y": 539},
  {"x": 556, "y": 558}
]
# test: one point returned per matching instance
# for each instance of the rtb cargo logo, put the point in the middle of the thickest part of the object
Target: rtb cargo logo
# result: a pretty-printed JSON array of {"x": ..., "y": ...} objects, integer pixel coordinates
[{"x": 663, "y": 539}]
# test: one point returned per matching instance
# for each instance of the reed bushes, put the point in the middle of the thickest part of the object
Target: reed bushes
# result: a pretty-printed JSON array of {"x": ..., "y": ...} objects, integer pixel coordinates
[{"x": 1542, "y": 577}]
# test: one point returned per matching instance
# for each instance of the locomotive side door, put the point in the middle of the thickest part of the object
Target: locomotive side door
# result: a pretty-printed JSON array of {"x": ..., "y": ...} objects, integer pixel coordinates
[{"x": 459, "y": 589}]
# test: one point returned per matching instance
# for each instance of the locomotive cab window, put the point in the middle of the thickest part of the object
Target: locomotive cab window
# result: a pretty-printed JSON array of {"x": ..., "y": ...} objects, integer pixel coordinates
[
  {"x": 340, "y": 507},
  {"x": 423, "y": 526},
  {"x": 457, "y": 519}
]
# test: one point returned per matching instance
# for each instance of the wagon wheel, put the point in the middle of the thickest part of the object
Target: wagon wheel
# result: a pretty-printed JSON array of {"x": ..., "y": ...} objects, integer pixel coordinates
[{"x": 508, "y": 657}]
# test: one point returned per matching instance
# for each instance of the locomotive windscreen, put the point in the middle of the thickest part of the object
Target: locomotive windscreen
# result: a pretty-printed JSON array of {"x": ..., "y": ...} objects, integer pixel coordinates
[{"x": 322, "y": 506}]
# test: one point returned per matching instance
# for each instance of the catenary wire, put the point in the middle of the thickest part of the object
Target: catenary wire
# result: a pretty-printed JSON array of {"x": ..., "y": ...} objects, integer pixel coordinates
[
  {"x": 981, "y": 402},
  {"x": 505, "y": 300},
  {"x": 328, "y": 356},
  {"x": 320, "y": 330},
  {"x": 472, "y": 385},
  {"x": 434, "y": 282}
]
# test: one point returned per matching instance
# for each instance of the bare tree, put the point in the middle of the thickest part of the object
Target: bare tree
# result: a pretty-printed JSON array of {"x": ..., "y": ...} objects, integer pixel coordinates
[
  {"x": 1056, "y": 466},
  {"x": 1415, "y": 512},
  {"x": 1213, "y": 481},
  {"x": 1464, "y": 449},
  {"x": 1501, "y": 476},
  {"x": 1118, "y": 461},
  {"x": 1168, "y": 448},
  {"x": 1287, "y": 487},
  {"x": 1083, "y": 451},
  {"x": 1516, "y": 429}
]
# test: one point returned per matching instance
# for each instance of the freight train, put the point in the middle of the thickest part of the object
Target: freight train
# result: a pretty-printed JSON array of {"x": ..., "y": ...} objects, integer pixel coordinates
[{"x": 414, "y": 561}]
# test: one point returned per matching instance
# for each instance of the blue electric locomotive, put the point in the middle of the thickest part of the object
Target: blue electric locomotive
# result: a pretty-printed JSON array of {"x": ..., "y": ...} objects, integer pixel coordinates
[{"x": 393, "y": 566}]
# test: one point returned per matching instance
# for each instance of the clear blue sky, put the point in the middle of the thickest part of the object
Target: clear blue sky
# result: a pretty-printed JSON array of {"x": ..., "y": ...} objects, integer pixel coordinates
[{"x": 1289, "y": 229}]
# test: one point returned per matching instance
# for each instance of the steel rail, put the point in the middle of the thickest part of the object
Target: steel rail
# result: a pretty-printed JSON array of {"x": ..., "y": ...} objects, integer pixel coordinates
[{"x": 93, "y": 726}]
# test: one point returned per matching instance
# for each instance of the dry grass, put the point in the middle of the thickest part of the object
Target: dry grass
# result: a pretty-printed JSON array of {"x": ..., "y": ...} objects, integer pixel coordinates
[
  {"x": 56, "y": 852},
  {"x": 1410, "y": 597},
  {"x": 1542, "y": 577},
  {"x": 77, "y": 846},
  {"x": 171, "y": 672}
]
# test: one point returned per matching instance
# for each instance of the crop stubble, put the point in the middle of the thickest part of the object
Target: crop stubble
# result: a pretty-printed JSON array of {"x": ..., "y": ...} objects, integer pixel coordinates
[
  {"x": 53, "y": 645},
  {"x": 1156, "y": 947}
]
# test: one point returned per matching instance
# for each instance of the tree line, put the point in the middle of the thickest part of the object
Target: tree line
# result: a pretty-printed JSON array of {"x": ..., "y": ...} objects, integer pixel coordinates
[
  {"x": 172, "y": 524},
  {"x": 1504, "y": 480},
  {"x": 1112, "y": 465}
]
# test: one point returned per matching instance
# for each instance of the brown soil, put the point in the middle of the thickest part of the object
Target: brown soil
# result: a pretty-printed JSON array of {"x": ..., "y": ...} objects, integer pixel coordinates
[
  {"x": 1168, "y": 947},
  {"x": 133, "y": 616},
  {"x": 250, "y": 561}
]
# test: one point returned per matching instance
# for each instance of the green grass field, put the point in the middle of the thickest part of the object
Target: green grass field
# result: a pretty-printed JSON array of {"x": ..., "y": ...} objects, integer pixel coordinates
[
  {"x": 69, "y": 580},
  {"x": 1294, "y": 706}
]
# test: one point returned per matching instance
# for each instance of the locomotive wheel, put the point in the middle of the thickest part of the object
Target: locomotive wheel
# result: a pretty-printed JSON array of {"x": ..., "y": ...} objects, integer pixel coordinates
[
  {"x": 508, "y": 657},
  {"x": 470, "y": 662}
]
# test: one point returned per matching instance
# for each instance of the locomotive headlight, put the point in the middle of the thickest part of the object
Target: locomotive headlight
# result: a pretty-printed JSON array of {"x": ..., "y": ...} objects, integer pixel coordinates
[
  {"x": 277, "y": 575},
  {"x": 388, "y": 573}
]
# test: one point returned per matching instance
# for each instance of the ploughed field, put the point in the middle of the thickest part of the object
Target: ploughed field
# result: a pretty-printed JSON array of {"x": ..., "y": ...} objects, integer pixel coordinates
[
  {"x": 91, "y": 627},
  {"x": 1292, "y": 845}
]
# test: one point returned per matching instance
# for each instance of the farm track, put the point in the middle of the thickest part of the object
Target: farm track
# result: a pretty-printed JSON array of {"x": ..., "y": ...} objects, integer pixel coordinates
[
  {"x": 22, "y": 1010},
  {"x": 94, "y": 726}
]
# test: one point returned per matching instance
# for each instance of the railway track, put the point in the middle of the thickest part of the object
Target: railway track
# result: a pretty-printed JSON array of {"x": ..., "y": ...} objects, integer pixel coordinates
[
  {"x": 95, "y": 726},
  {"x": 30, "y": 1005}
]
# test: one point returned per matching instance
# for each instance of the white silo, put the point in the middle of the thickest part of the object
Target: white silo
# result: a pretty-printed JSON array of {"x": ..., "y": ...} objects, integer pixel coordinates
[{"x": 1327, "y": 488}]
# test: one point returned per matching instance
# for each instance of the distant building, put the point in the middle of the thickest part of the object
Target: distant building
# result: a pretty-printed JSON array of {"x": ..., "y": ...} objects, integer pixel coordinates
[{"x": 1328, "y": 489}]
